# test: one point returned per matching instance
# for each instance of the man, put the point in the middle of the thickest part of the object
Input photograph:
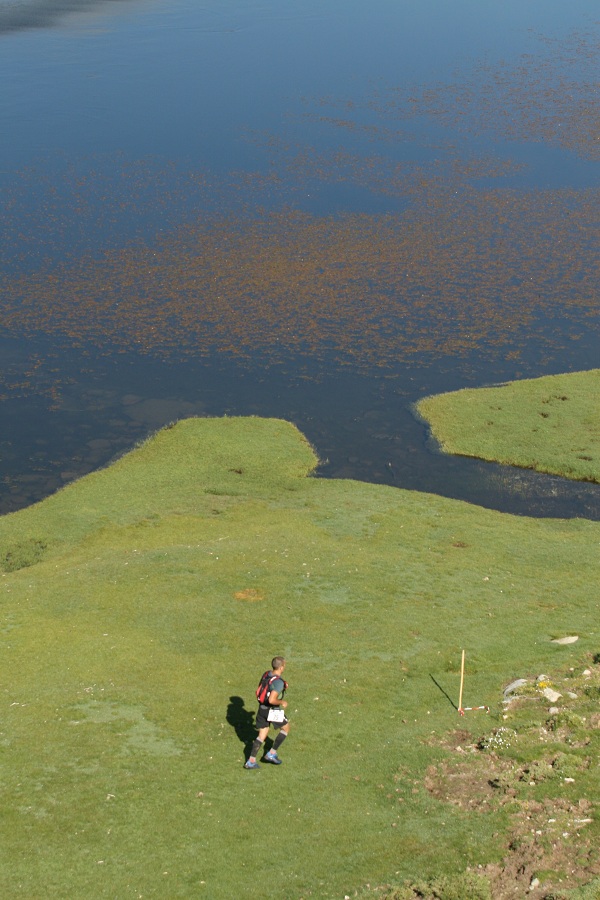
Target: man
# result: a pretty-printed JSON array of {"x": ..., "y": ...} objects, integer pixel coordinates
[{"x": 275, "y": 689}]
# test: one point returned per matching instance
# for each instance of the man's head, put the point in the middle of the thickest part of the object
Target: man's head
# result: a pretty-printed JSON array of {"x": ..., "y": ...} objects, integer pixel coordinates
[{"x": 278, "y": 664}]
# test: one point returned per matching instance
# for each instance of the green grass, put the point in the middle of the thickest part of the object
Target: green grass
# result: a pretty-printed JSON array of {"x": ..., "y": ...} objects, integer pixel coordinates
[
  {"x": 123, "y": 643},
  {"x": 550, "y": 424}
]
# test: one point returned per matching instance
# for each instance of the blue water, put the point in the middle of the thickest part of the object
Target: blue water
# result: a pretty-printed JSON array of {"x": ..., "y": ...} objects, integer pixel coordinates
[{"x": 108, "y": 112}]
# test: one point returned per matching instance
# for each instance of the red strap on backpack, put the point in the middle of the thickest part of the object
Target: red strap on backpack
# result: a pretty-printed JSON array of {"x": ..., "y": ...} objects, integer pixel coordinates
[
  {"x": 264, "y": 686},
  {"x": 263, "y": 689}
]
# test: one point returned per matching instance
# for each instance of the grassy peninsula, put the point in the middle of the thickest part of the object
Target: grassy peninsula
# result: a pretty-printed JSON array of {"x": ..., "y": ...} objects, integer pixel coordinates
[
  {"x": 141, "y": 604},
  {"x": 550, "y": 424}
]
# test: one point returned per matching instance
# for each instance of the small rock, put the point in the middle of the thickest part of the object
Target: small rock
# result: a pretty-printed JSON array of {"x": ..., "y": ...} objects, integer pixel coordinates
[
  {"x": 566, "y": 640},
  {"x": 571, "y": 695},
  {"x": 587, "y": 673},
  {"x": 543, "y": 678},
  {"x": 514, "y": 686},
  {"x": 569, "y": 781},
  {"x": 551, "y": 695},
  {"x": 535, "y": 883},
  {"x": 553, "y": 710}
]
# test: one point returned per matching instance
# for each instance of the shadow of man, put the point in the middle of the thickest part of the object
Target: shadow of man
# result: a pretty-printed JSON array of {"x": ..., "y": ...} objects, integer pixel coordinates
[{"x": 242, "y": 721}]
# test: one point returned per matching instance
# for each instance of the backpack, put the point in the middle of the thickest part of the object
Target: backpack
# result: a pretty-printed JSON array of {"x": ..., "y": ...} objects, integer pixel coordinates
[{"x": 264, "y": 687}]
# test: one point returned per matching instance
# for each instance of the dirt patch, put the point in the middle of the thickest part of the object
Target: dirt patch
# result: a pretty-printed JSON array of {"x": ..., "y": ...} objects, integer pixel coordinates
[
  {"x": 469, "y": 784},
  {"x": 546, "y": 837},
  {"x": 546, "y": 850},
  {"x": 459, "y": 738},
  {"x": 250, "y": 594}
]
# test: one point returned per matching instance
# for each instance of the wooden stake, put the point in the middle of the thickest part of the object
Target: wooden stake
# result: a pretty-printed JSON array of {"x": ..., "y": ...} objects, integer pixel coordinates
[{"x": 462, "y": 679}]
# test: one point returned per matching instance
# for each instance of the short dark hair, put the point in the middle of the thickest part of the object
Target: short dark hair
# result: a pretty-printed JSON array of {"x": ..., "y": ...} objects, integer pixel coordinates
[{"x": 277, "y": 662}]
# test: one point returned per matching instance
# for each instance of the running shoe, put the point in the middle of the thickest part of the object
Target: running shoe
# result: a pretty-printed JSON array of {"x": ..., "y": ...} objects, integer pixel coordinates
[
  {"x": 251, "y": 765},
  {"x": 272, "y": 757}
]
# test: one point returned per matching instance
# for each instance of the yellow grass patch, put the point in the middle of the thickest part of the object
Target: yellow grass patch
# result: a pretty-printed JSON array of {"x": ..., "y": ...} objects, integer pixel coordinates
[{"x": 249, "y": 594}]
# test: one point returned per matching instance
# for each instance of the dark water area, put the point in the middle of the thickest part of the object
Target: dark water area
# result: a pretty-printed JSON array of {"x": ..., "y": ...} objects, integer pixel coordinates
[
  {"x": 362, "y": 427},
  {"x": 320, "y": 212}
]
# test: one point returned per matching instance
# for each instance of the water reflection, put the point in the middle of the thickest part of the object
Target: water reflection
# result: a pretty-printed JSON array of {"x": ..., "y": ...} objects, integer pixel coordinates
[{"x": 20, "y": 15}]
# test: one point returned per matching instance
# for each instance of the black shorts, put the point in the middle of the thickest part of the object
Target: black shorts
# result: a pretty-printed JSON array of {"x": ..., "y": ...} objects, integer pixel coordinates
[{"x": 261, "y": 719}]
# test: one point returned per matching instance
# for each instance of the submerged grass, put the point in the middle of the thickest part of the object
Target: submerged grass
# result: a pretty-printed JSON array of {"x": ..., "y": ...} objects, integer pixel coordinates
[
  {"x": 550, "y": 424},
  {"x": 151, "y": 596}
]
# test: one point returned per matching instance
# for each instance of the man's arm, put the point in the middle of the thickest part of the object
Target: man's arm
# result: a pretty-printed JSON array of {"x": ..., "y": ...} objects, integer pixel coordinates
[{"x": 274, "y": 700}]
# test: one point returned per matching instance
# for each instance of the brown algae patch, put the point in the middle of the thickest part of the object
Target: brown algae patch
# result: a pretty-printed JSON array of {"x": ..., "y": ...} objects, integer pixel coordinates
[{"x": 359, "y": 290}]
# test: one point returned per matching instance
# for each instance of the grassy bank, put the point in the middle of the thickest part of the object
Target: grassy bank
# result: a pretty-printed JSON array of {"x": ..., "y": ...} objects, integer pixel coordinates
[
  {"x": 550, "y": 424},
  {"x": 141, "y": 604}
]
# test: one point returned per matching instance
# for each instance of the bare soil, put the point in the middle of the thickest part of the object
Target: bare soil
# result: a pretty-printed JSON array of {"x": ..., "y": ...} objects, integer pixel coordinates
[{"x": 546, "y": 836}]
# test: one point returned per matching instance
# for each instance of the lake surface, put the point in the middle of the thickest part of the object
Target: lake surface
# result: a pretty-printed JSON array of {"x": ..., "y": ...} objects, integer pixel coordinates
[{"x": 321, "y": 212}]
